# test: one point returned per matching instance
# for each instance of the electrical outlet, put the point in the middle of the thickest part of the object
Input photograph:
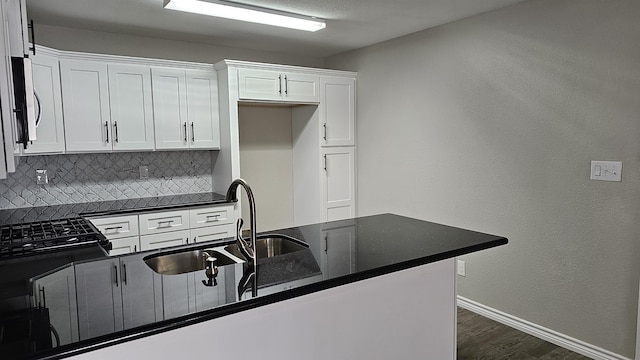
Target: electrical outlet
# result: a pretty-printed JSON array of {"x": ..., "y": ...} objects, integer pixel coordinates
[
  {"x": 144, "y": 172},
  {"x": 462, "y": 268},
  {"x": 41, "y": 177}
]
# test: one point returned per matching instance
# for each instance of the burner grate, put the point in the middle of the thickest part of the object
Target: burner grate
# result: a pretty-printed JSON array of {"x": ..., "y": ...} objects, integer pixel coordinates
[{"x": 20, "y": 239}]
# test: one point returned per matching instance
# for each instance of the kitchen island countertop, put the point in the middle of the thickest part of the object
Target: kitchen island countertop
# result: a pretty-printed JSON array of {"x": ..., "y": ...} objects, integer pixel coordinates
[{"x": 339, "y": 253}]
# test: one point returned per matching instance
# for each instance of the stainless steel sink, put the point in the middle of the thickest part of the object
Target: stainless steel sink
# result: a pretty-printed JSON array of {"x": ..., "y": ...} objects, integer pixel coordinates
[
  {"x": 271, "y": 245},
  {"x": 184, "y": 261}
]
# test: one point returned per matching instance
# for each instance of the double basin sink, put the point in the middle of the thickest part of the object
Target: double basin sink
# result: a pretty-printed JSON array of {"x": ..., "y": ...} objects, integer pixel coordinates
[{"x": 183, "y": 261}]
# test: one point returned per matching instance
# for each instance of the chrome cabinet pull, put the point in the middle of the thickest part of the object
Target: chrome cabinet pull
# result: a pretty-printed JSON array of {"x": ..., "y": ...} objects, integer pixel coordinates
[
  {"x": 286, "y": 85},
  {"x": 115, "y": 275},
  {"x": 115, "y": 131},
  {"x": 324, "y": 133},
  {"x": 113, "y": 228},
  {"x": 325, "y": 162},
  {"x": 280, "y": 84},
  {"x": 135, "y": 248},
  {"x": 193, "y": 133},
  {"x": 185, "y": 132},
  {"x": 124, "y": 274},
  {"x": 106, "y": 128}
]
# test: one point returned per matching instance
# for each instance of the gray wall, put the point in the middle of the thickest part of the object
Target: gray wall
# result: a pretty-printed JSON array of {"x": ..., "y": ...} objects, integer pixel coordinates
[
  {"x": 129, "y": 45},
  {"x": 97, "y": 177},
  {"x": 490, "y": 123},
  {"x": 266, "y": 157}
]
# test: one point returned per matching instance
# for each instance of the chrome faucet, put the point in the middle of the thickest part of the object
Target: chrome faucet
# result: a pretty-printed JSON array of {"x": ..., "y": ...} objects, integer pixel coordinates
[{"x": 248, "y": 250}]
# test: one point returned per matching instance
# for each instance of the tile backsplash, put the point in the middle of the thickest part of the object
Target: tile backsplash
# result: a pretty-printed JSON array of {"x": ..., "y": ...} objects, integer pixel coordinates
[{"x": 80, "y": 178}]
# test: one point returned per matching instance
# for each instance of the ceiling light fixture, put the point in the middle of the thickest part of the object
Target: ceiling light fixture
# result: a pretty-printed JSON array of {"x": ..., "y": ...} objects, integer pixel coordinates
[{"x": 235, "y": 11}]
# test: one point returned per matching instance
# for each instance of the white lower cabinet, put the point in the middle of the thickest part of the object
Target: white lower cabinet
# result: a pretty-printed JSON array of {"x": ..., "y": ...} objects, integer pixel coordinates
[
  {"x": 125, "y": 245},
  {"x": 57, "y": 293},
  {"x": 121, "y": 231},
  {"x": 338, "y": 183},
  {"x": 211, "y": 233},
  {"x": 116, "y": 294}
]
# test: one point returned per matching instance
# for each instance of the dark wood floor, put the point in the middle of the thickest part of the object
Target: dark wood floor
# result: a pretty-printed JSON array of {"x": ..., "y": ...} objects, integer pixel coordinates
[{"x": 480, "y": 338}]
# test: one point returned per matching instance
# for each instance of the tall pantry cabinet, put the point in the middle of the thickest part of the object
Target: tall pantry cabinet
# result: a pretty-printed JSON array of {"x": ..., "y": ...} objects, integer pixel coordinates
[{"x": 323, "y": 132}]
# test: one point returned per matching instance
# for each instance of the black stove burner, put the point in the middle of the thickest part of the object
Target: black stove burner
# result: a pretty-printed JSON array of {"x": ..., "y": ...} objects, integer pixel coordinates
[{"x": 21, "y": 239}]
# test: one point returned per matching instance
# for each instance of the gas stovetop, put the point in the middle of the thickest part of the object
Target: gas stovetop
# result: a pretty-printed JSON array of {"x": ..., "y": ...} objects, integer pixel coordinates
[{"x": 36, "y": 237}]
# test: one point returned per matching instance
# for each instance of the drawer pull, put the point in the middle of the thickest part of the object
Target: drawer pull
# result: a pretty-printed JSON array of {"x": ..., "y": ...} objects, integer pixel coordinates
[
  {"x": 165, "y": 222},
  {"x": 215, "y": 217},
  {"x": 113, "y": 228}
]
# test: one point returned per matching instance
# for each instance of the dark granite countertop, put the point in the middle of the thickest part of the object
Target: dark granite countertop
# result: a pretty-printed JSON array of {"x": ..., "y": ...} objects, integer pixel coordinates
[
  {"x": 54, "y": 212},
  {"x": 338, "y": 253}
]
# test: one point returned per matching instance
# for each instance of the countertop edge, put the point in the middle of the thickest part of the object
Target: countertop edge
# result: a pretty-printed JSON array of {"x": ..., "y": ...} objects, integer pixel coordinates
[{"x": 191, "y": 319}]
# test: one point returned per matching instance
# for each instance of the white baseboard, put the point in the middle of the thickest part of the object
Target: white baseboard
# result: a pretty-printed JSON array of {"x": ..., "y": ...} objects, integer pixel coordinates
[{"x": 538, "y": 331}]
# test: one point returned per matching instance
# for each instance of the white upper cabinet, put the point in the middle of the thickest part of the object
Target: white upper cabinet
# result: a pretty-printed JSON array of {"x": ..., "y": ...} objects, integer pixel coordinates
[
  {"x": 50, "y": 127},
  {"x": 279, "y": 86},
  {"x": 202, "y": 109},
  {"x": 170, "y": 107},
  {"x": 185, "y": 104},
  {"x": 131, "y": 107},
  {"x": 87, "y": 122},
  {"x": 337, "y": 111}
]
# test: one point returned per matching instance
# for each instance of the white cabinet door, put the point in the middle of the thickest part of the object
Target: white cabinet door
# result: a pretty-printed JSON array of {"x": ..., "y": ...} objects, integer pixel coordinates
[
  {"x": 202, "y": 110},
  {"x": 57, "y": 292},
  {"x": 50, "y": 128},
  {"x": 141, "y": 292},
  {"x": 131, "y": 107},
  {"x": 280, "y": 86},
  {"x": 85, "y": 105},
  {"x": 338, "y": 183},
  {"x": 169, "y": 87},
  {"x": 162, "y": 240},
  {"x": 302, "y": 88},
  {"x": 259, "y": 85},
  {"x": 337, "y": 111},
  {"x": 339, "y": 256},
  {"x": 99, "y": 298}
]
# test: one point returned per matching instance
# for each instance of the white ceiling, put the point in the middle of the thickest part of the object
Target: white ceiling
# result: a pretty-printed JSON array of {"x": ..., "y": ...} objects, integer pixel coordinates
[{"x": 351, "y": 24}]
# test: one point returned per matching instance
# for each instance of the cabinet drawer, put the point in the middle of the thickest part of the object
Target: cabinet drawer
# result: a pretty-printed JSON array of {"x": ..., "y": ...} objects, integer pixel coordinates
[
  {"x": 216, "y": 215},
  {"x": 123, "y": 246},
  {"x": 155, "y": 223},
  {"x": 116, "y": 227},
  {"x": 211, "y": 233},
  {"x": 163, "y": 240}
]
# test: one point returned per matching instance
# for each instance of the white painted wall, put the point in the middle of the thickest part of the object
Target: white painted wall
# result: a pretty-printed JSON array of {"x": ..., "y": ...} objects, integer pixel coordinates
[
  {"x": 128, "y": 45},
  {"x": 266, "y": 158},
  {"x": 490, "y": 123}
]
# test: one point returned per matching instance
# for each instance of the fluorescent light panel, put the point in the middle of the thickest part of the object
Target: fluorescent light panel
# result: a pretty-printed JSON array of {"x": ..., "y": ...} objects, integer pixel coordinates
[{"x": 246, "y": 13}]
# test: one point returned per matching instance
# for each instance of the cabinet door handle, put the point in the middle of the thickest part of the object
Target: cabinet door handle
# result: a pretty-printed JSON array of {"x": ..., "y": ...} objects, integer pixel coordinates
[
  {"x": 124, "y": 274},
  {"x": 115, "y": 131},
  {"x": 135, "y": 248},
  {"x": 185, "y": 132},
  {"x": 193, "y": 133},
  {"x": 194, "y": 239},
  {"x": 106, "y": 129},
  {"x": 325, "y": 162},
  {"x": 115, "y": 275},
  {"x": 43, "y": 297},
  {"x": 324, "y": 131},
  {"x": 326, "y": 243},
  {"x": 33, "y": 36},
  {"x": 280, "y": 84},
  {"x": 286, "y": 85}
]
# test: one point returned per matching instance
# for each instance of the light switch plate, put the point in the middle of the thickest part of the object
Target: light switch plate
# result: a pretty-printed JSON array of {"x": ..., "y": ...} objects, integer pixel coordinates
[
  {"x": 606, "y": 170},
  {"x": 462, "y": 268}
]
